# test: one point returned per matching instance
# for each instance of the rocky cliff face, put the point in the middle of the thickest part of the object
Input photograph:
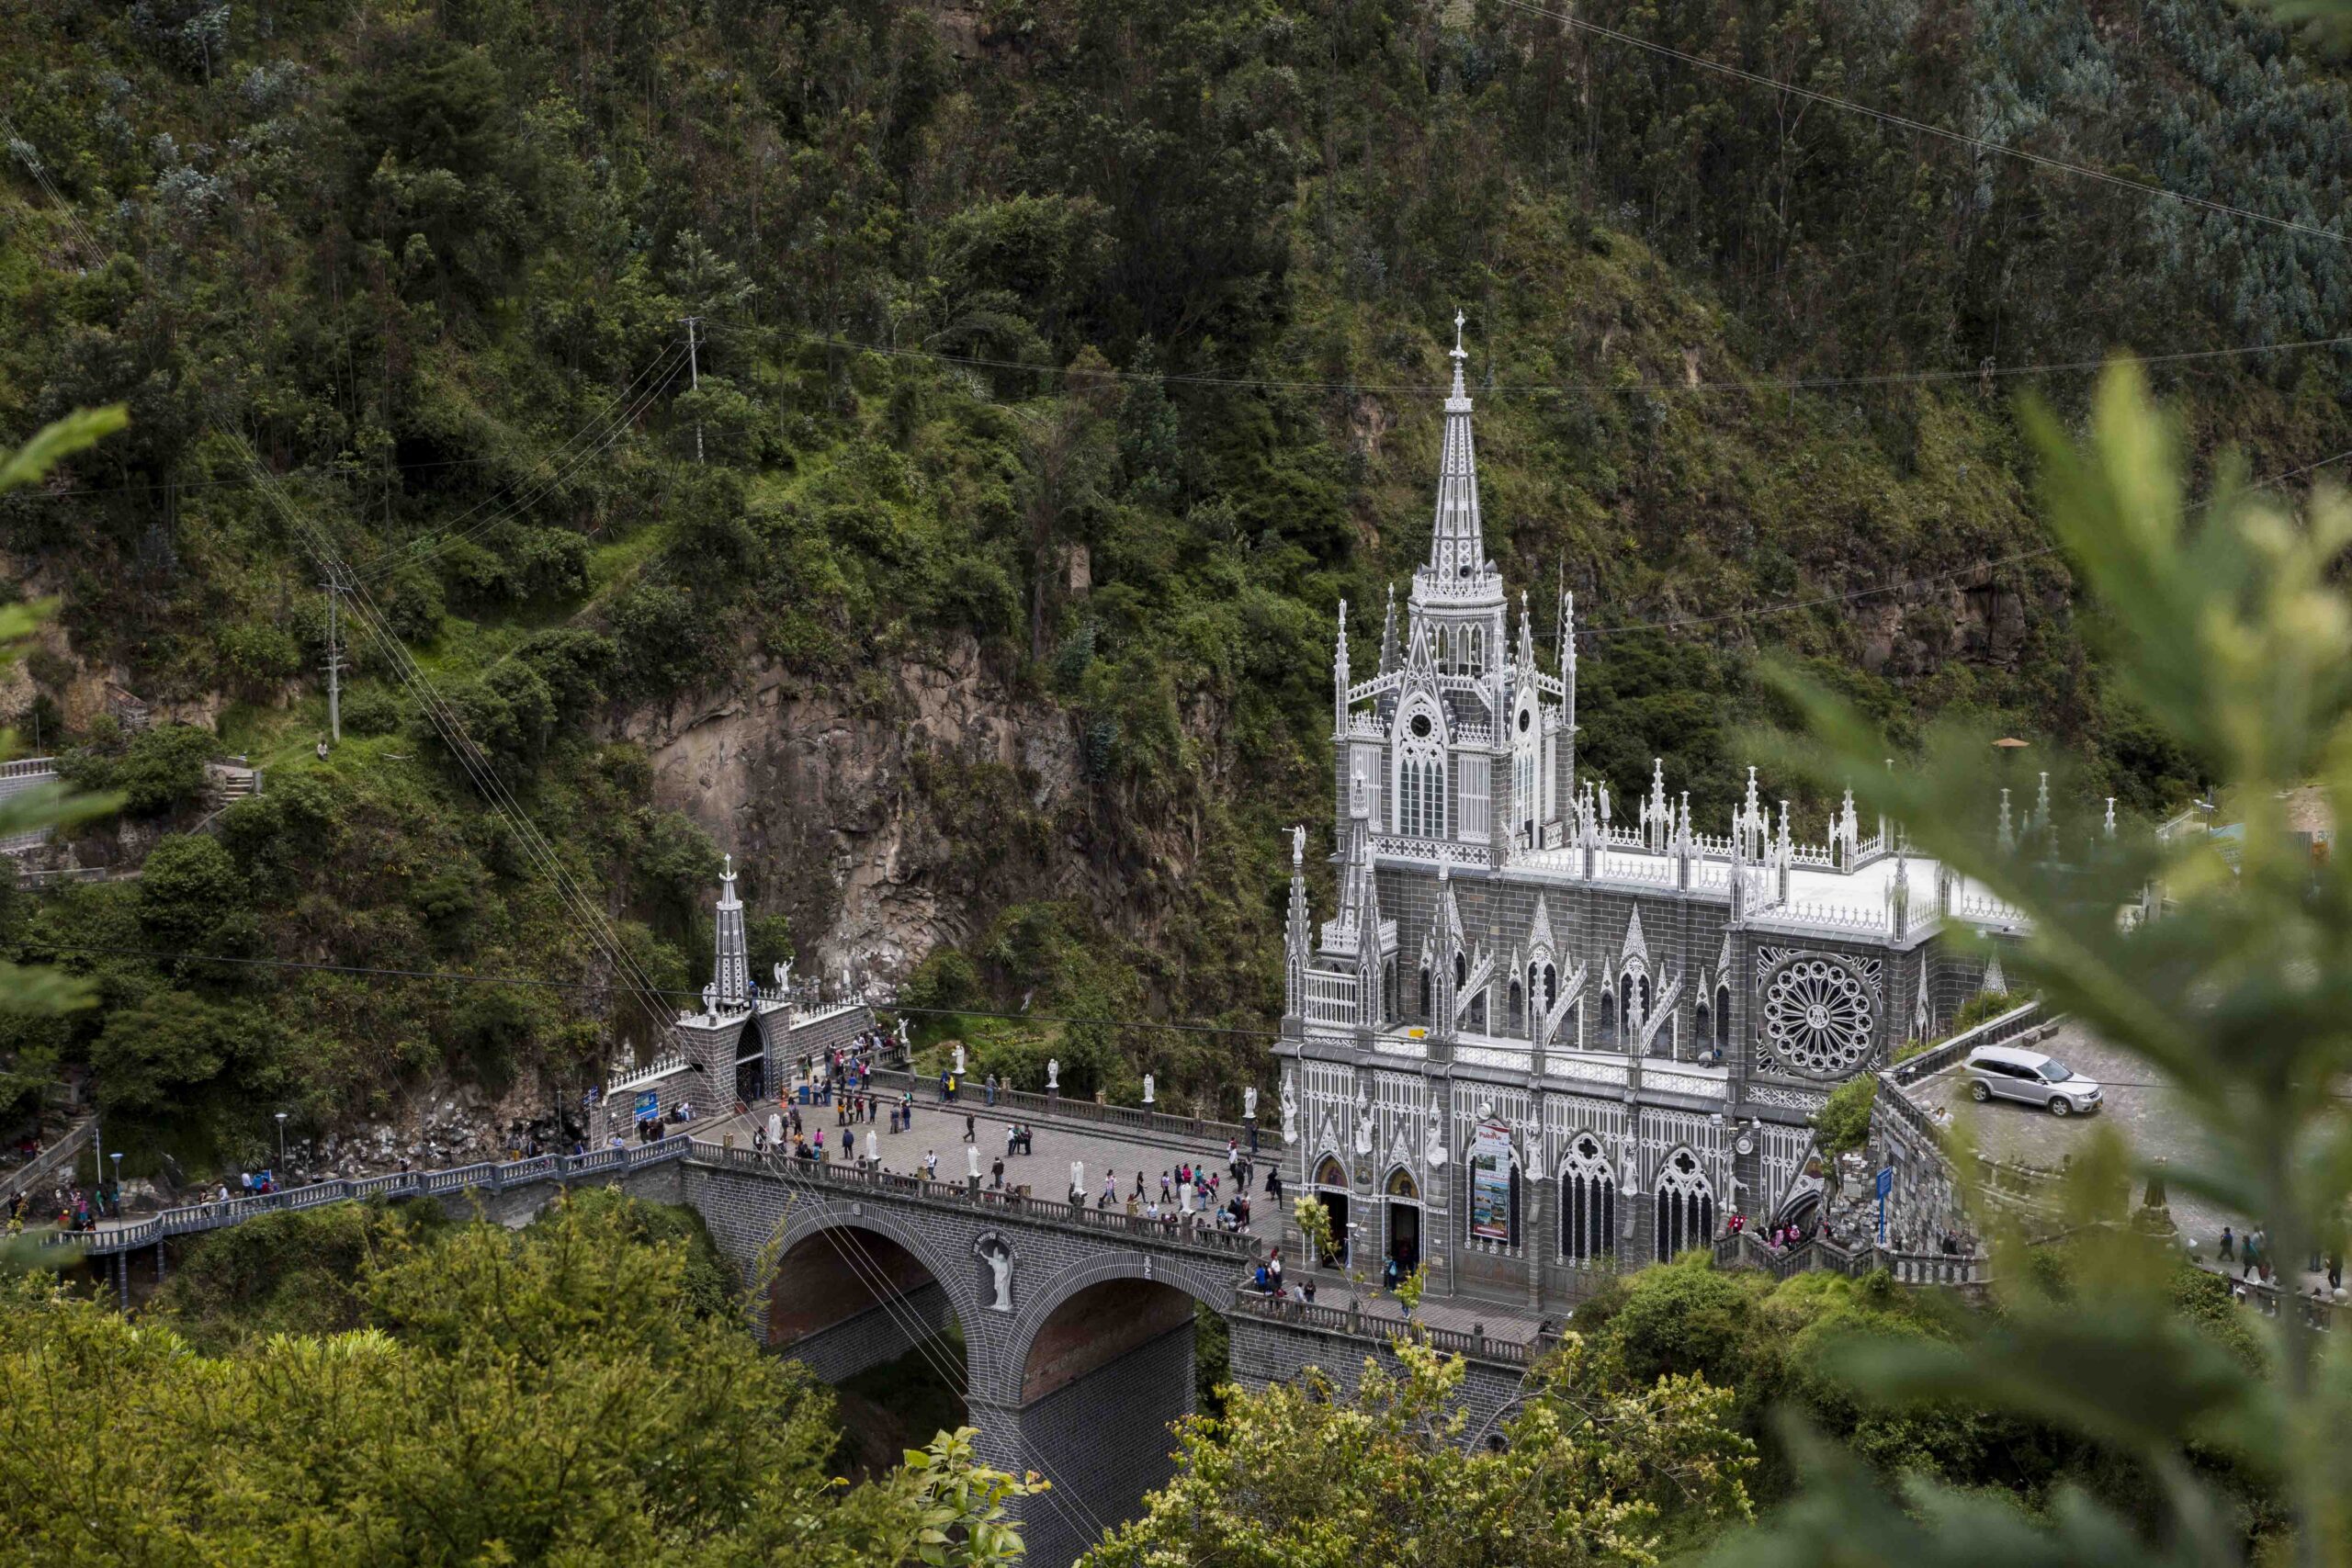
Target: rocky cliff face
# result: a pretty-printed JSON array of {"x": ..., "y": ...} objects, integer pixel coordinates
[{"x": 848, "y": 804}]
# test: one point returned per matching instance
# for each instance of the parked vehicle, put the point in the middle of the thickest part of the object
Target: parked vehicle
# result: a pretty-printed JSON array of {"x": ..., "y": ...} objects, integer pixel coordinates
[{"x": 2006, "y": 1072}]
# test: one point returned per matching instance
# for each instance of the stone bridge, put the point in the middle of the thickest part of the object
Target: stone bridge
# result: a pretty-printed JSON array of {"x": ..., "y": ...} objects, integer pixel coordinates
[{"x": 1078, "y": 1323}]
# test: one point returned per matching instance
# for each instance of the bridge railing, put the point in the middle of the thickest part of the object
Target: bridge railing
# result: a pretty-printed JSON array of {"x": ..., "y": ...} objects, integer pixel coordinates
[
  {"x": 44, "y": 1166},
  {"x": 1996, "y": 1030},
  {"x": 1745, "y": 1249},
  {"x": 1163, "y": 1232},
  {"x": 1155, "y": 1125},
  {"x": 497, "y": 1176},
  {"x": 1354, "y": 1323}
]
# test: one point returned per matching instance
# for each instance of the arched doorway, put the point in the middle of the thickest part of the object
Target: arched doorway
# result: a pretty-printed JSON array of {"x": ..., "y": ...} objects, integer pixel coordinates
[
  {"x": 1588, "y": 1204},
  {"x": 1331, "y": 1191},
  {"x": 1402, "y": 1198},
  {"x": 1686, "y": 1207},
  {"x": 750, "y": 1063}
]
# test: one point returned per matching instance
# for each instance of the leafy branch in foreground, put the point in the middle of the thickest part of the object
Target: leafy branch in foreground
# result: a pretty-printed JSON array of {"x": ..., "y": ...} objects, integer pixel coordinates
[
  {"x": 2227, "y": 627},
  {"x": 1592, "y": 1471}
]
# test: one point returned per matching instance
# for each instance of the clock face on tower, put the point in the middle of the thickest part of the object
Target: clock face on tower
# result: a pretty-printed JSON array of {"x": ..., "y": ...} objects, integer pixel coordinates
[{"x": 1420, "y": 725}]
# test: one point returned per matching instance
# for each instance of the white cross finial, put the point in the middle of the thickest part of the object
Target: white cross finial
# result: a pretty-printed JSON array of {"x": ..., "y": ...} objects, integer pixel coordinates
[{"x": 1458, "y": 320}]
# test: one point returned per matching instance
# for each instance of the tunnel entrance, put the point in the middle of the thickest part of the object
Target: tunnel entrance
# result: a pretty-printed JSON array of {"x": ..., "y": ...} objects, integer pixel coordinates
[{"x": 1105, "y": 1376}]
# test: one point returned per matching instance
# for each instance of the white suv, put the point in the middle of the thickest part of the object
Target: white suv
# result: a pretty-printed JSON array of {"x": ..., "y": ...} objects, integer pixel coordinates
[{"x": 2007, "y": 1073}]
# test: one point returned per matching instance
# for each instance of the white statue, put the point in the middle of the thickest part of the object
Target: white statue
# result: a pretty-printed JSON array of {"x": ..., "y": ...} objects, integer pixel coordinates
[
  {"x": 1290, "y": 1112},
  {"x": 873, "y": 1146},
  {"x": 1249, "y": 1103},
  {"x": 1433, "y": 1148},
  {"x": 1625, "y": 1171},
  {"x": 906, "y": 1042},
  {"x": 782, "y": 977},
  {"x": 776, "y": 1128},
  {"x": 1298, "y": 845},
  {"x": 710, "y": 998},
  {"x": 1053, "y": 1075},
  {"x": 972, "y": 1161},
  {"x": 999, "y": 1257},
  {"x": 1363, "y": 1130},
  {"x": 1184, "y": 1198},
  {"x": 1078, "y": 1182},
  {"x": 1147, "y": 1089},
  {"x": 959, "y": 1058}
]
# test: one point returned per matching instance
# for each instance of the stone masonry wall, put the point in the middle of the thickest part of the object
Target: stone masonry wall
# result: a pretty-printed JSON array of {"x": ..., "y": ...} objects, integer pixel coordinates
[{"x": 1104, "y": 1441}]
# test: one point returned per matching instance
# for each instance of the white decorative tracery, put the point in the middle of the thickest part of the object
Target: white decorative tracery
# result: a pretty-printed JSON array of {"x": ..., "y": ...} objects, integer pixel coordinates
[
  {"x": 1588, "y": 1202},
  {"x": 1686, "y": 1206},
  {"x": 1817, "y": 1016}
]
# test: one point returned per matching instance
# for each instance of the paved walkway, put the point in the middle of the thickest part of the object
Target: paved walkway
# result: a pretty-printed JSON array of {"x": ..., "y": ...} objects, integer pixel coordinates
[{"x": 939, "y": 1129}]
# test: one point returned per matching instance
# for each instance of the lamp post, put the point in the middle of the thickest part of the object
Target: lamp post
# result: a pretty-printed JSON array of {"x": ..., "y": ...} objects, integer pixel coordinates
[
  {"x": 116, "y": 1157},
  {"x": 281, "y": 1144}
]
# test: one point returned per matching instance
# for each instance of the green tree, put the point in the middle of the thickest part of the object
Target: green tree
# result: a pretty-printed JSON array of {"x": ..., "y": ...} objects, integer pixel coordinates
[
  {"x": 1303, "y": 1477},
  {"x": 564, "y": 1394},
  {"x": 2229, "y": 626}
]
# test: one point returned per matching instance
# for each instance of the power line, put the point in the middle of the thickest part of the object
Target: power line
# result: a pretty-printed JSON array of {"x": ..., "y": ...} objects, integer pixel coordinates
[
  {"x": 1904, "y": 122},
  {"x": 543, "y": 983},
  {"x": 1521, "y": 388}
]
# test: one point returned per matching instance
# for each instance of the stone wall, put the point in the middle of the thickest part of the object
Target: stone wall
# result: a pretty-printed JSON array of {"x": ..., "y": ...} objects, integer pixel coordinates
[{"x": 1104, "y": 1440}]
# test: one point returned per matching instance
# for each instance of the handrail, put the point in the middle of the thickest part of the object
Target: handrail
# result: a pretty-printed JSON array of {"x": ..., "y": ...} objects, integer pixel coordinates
[
  {"x": 50, "y": 1159},
  {"x": 1354, "y": 1323},
  {"x": 1063, "y": 1108},
  {"x": 1167, "y": 1231},
  {"x": 190, "y": 1218},
  {"x": 1746, "y": 1250},
  {"x": 1992, "y": 1031}
]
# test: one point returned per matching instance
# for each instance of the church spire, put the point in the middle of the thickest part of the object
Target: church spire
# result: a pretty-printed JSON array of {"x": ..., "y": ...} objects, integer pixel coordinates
[
  {"x": 1457, "y": 545},
  {"x": 731, "y": 968}
]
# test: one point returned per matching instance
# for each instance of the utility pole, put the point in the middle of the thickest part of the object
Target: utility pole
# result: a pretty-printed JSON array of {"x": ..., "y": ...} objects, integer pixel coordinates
[
  {"x": 334, "y": 587},
  {"x": 694, "y": 374}
]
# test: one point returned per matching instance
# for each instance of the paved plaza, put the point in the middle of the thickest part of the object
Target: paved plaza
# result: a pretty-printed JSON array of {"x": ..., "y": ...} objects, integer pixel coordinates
[
  {"x": 939, "y": 1129},
  {"x": 2140, "y": 1108}
]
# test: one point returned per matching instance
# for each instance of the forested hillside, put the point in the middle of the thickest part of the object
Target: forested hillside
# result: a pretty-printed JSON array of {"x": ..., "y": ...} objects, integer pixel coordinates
[{"x": 1063, "y": 364}]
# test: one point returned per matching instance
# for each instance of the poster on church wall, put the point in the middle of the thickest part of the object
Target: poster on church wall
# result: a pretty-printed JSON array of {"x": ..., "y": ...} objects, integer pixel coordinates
[{"x": 1490, "y": 1181}]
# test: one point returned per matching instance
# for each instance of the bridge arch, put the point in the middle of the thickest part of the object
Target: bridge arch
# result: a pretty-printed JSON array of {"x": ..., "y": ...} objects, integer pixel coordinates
[
  {"x": 1097, "y": 1364},
  {"x": 854, "y": 1287}
]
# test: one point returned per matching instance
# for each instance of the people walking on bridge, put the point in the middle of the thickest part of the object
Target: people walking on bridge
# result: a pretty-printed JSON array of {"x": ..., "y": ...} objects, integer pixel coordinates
[
  {"x": 991, "y": 1089},
  {"x": 971, "y": 1129},
  {"x": 931, "y": 1165},
  {"x": 996, "y": 1175},
  {"x": 1109, "y": 1191}
]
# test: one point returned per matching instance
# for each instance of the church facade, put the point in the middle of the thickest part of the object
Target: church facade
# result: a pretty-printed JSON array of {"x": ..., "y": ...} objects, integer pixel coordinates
[{"x": 1546, "y": 1033}]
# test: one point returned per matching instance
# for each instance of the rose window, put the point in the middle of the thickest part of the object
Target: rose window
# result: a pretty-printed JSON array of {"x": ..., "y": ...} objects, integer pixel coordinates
[{"x": 1818, "y": 1017}]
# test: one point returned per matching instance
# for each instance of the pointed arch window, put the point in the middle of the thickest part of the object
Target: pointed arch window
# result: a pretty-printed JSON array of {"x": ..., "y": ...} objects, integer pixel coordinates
[
  {"x": 1686, "y": 1207},
  {"x": 1518, "y": 1005},
  {"x": 1420, "y": 780},
  {"x": 1588, "y": 1204}
]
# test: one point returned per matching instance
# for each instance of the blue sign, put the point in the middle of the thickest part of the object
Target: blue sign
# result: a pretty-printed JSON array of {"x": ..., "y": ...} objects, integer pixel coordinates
[
  {"x": 649, "y": 1104},
  {"x": 1885, "y": 1187}
]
